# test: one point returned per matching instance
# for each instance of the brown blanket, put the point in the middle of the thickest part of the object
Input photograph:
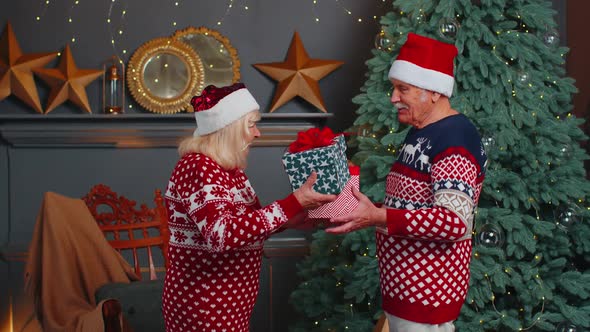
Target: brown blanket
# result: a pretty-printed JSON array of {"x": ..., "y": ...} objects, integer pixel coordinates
[{"x": 69, "y": 259}]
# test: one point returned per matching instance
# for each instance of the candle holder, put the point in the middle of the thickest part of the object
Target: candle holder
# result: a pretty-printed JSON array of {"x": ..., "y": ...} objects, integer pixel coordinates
[{"x": 113, "y": 91}]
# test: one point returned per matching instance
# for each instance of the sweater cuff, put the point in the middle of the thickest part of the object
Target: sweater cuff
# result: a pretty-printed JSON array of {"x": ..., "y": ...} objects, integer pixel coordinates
[
  {"x": 394, "y": 221},
  {"x": 290, "y": 205}
]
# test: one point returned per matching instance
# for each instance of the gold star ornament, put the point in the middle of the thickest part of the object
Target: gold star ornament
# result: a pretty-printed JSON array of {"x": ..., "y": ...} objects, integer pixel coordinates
[
  {"x": 67, "y": 82},
  {"x": 16, "y": 75},
  {"x": 298, "y": 75}
]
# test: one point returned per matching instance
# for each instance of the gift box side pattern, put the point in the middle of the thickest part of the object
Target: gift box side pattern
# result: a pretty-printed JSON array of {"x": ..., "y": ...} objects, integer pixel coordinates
[
  {"x": 344, "y": 204},
  {"x": 329, "y": 162}
]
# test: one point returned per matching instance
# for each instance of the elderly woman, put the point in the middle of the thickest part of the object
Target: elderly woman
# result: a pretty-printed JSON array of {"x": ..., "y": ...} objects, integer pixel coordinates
[{"x": 217, "y": 225}]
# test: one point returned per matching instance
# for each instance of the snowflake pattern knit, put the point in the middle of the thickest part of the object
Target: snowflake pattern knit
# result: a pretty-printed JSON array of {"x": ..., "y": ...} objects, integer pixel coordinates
[
  {"x": 432, "y": 191},
  {"x": 217, "y": 231}
]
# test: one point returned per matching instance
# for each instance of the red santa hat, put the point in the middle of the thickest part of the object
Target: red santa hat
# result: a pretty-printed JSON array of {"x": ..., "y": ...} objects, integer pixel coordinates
[
  {"x": 217, "y": 107},
  {"x": 426, "y": 63}
]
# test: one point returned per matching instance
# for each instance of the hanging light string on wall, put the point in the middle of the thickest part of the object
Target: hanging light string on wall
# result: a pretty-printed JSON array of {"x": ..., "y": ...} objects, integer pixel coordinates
[
  {"x": 118, "y": 9},
  {"x": 230, "y": 5},
  {"x": 345, "y": 9},
  {"x": 116, "y": 32},
  {"x": 175, "y": 3},
  {"x": 42, "y": 10},
  {"x": 44, "y": 5},
  {"x": 71, "y": 20}
]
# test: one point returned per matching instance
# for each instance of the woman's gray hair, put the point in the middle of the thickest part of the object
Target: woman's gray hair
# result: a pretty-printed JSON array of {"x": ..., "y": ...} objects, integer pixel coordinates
[{"x": 226, "y": 146}]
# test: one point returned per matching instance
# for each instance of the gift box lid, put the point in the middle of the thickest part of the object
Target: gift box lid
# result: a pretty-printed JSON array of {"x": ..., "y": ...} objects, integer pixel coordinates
[{"x": 329, "y": 162}]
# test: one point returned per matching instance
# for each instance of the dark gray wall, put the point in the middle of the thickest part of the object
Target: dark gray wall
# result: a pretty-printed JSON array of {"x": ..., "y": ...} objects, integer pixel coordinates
[
  {"x": 66, "y": 150},
  {"x": 69, "y": 164},
  {"x": 260, "y": 34}
]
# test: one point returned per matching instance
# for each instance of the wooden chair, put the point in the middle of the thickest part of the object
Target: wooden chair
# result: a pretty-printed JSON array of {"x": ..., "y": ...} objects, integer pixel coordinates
[
  {"x": 133, "y": 233},
  {"x": 129, "y": 229}
]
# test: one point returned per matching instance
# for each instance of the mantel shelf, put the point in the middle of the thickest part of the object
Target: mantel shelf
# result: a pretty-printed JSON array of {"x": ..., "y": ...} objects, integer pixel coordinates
[{"x": 136, "y": 130}]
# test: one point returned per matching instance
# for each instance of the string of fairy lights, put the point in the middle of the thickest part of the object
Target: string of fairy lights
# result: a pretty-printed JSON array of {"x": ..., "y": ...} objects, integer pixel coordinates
[
  {"x": 116, "y": 24},
  {"x": 71, "y": 12},
  {"x": 116, "y": 29},
  {"x": 118, "y": 11},
  {"x": 230, "y": 5},
  {"x": 343, "y": 7},
  {"x": 42, "y": 10}
]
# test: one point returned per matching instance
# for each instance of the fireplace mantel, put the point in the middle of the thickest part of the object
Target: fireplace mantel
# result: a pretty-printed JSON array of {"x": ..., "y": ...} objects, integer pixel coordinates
[{"x": 136, "y": 130}]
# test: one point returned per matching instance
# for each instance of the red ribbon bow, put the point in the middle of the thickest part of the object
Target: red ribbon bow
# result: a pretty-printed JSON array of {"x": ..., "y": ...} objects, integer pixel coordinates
[
  {"x": 212, "y": 95},
  {"x": 311, "y": 139}
]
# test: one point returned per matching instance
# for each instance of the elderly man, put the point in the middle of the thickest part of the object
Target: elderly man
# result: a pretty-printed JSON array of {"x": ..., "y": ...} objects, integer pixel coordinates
[{"x": 424, "y": 225}]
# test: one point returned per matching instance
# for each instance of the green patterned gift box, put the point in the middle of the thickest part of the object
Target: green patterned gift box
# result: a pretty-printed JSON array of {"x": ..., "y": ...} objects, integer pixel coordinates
[{"x": 329, "y": 162}]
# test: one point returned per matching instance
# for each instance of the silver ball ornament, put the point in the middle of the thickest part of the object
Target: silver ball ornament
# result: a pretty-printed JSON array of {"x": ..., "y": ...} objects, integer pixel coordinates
[
  {"x": 568, "y": 216},
  {"x": 551, "y": 37},
  {"x": 491, "y": 236},
  {"x": 383, "y": 42},
  {"x": 566, "y": 327},
  {"x": 489, "y": 143},
  {"x": 523, "y": 77},
  {"x": 448, "y": 28},
  {"x": 565, "y": 151}
]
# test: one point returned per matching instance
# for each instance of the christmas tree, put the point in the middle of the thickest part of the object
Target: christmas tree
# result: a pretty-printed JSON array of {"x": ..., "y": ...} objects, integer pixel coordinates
[{"x": 530, "y": 268}]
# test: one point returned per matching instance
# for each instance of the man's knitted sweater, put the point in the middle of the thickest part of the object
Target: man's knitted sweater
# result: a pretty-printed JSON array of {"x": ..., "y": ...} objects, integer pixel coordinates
[
  {"x": 431, "y": 193},
  {"x": 217, "y": 231}
]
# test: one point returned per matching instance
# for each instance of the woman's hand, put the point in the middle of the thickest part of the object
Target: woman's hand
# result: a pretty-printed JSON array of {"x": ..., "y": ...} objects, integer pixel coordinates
[
  {"x": 309, "y": 198},
  {"x": 366, "y": 214},
  {"x": 300, "y": 221}
]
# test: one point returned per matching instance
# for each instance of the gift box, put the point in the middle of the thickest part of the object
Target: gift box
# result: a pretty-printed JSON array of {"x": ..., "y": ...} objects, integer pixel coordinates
[
  {"x": 345, "y": 203},
  {"x": 321, "y": 151}
]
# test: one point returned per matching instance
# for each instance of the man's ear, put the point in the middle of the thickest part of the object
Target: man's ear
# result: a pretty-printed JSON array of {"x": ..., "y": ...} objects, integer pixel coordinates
[{"x": 435, "y": 97}]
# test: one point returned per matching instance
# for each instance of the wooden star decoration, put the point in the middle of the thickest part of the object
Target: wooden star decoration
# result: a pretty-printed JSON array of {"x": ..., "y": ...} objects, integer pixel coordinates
[
  {"x": 16, "y": 75},
  {"x": 67, "y": 82},
  {"x": 298, "y": 76}
]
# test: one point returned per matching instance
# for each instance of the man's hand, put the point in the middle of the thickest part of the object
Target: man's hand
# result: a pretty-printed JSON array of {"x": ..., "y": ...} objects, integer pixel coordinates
[{"x": 365, "y": 215}]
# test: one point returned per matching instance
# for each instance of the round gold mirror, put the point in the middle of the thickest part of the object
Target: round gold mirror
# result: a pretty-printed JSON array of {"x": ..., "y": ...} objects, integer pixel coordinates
[
  {"x": 219, "y": 57},
  {"x": 163, "y": 75}
]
